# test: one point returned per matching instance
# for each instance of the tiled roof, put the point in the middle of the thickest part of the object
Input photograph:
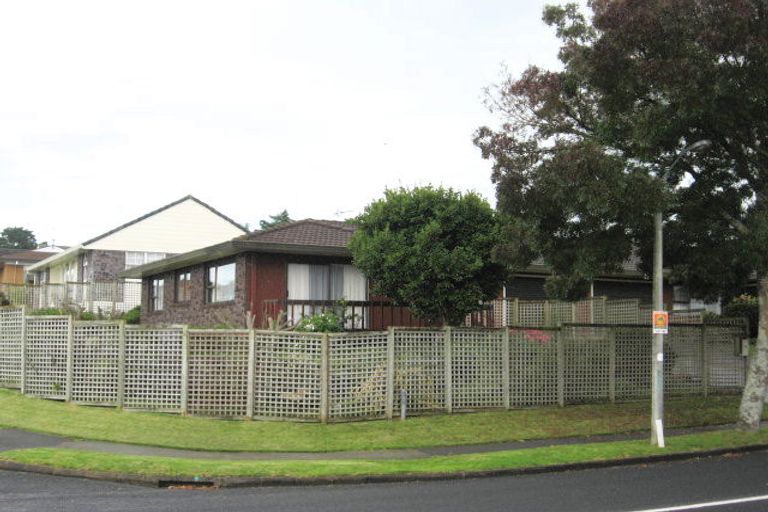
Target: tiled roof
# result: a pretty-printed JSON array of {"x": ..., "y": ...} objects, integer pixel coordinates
[
  {"x": 26, "y": 256},
  {"x": 325, "y": 233}
]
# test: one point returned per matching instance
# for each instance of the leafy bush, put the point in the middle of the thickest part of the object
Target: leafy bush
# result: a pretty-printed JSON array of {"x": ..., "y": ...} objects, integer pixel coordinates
[
  {"x": 745, "y": 306},
  {"x": 133, "y": 316},
  {"x": 49, "y": 312},
  {"x": 4, "y": 300},
  {"x": 327, "y": 321}
]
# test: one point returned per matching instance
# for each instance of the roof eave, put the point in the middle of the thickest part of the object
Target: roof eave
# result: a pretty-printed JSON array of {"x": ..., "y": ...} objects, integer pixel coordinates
[
  {"x": 227, "y": 249},
  {"x": 55, "y": 258}
]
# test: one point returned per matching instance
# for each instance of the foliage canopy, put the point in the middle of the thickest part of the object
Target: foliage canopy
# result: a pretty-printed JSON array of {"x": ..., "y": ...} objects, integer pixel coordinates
[
  {"x": 430, "y": 249},
  {"x": 17, "y": 238}
]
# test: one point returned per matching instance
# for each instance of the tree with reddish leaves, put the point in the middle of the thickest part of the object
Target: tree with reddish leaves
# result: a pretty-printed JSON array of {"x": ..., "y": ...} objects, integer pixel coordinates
[{"x": 588, "y": 152}]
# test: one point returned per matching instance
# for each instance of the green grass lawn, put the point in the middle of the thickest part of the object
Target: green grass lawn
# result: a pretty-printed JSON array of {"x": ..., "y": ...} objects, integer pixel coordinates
[
  {"x": 534, "y": 457},
  {"x": 107, "y": 424}
]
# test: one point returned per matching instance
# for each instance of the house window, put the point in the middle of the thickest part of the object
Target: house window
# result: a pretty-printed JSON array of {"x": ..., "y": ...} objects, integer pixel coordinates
[
  {"x": 156, "y": 294},
  {"x": 220, "y": 286},
  {"x": 134, "y": 259},
  {"x": 183, "y": 286},
  {"x": 326, "y": 282}
]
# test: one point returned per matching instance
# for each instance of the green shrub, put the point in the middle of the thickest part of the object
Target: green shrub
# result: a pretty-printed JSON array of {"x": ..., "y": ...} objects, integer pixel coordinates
[
  {"x": 745, "y": 306},
  {"x": 133, "y": 316},
  {"x": 49, "y": 312},
  {"x": 4, "y": 300},
  {"x": 327, "y": 321},
  {"x": 87, "y": 315}
]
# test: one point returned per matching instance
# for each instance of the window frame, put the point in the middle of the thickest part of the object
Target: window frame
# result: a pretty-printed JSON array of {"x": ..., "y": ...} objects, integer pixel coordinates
[
  {"x": 156, "y": 294},
  {"x": 185, "y": 277},
  {"x": 212, "y": 286}
]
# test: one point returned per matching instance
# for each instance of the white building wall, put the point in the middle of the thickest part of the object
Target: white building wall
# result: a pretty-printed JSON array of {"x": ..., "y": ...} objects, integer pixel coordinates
[{"x": 181, "y": 228}]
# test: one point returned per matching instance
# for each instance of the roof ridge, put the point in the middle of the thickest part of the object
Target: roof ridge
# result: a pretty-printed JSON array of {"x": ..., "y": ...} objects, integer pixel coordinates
[
  {"x": 332, "y": 224},
  {"x": 161, "y": 209}
]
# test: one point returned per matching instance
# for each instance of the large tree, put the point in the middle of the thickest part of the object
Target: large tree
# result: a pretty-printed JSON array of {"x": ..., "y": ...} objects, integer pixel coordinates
[
  {"x": 590, "y": 150},
  {"x": 17, "y": 238},
  {"x": 430, "y": 249}
]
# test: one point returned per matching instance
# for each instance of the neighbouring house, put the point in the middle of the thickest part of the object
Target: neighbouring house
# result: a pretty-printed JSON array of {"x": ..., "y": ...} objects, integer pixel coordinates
[
  {"x": 175, "y": 228},
  {"x": 298, "y": 268},
  {"x": 15, "y": 263}
]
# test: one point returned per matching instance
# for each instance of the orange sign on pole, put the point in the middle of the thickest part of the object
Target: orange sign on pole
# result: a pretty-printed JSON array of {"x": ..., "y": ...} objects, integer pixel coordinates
[{"x": 660, "y": 322}]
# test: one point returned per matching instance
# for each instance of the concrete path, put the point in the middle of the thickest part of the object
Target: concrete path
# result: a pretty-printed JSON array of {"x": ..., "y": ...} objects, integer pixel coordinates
[{"x": 12, "y": 439}]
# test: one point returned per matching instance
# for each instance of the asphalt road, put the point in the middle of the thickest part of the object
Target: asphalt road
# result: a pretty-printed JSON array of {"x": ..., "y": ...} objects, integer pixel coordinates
[{"x": 636, "y": 488}]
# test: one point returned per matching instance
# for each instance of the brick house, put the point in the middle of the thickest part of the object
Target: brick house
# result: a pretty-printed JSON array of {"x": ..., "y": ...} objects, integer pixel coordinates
[{"x": 297, "y": 268}]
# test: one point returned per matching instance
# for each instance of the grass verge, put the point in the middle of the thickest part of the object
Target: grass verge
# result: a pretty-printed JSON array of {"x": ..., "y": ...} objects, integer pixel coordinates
[
  {"x": 506, "y": 460},
  {"x": 173, "y": 431}
]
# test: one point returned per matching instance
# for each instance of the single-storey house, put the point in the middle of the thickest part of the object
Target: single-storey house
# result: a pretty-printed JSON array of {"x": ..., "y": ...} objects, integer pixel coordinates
[
  {"x": 297, "y": 268},
  {"x": 15, "y": 263}
]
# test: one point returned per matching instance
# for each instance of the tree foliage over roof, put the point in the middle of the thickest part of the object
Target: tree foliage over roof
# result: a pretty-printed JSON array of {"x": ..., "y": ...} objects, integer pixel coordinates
[
  {"x": 17, "y": 238},
  {"x": 430, "y": 249}
]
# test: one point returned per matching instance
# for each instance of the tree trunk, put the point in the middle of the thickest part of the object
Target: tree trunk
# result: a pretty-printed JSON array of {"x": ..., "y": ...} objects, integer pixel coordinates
[{"x": 755, "y": 389}]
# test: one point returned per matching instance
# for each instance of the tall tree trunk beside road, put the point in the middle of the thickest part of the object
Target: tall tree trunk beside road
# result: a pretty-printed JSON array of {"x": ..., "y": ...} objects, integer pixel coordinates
[{"x": 753, "y": 399}]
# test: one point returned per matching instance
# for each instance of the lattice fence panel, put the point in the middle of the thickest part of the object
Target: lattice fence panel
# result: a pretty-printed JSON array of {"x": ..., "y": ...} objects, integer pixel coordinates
[
  {"x": 287, "y": 375},
  {"x": 476, "y": 368},
  {"x": 583, "y": 310},
  {"x": 683, "y": 353},
  {"x": 358, "y": 375},
  {"x": 218, "y": 373},
  {"x": 532, "y": 367},
  {"x": 95, "y": 362},
  {"x": 46, "y": 362},
  {"x": 727, "y": 368},
  {"x": 420, "y": 369},
  {"x": 11, "y": 332},
  {"x": 530, "y": 313},
  {"x": 633, "y": 362},
  {"x": 686, "y": 317},
  {"x": 586, "y": 369},
  {"x": 560, "y": 312},
  {"x": 153, "y": 369},
  {"x": 599, "y": 315},
  {"x": 622, "y": 311}
]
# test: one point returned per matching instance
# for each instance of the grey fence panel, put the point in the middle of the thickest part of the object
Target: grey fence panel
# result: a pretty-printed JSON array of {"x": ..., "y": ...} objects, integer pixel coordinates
[
  {"x": 531, "y": 313},
  {"x": 154, "y": 369},
  {"x": 11, "y": 339},
  {"x": 218, "y": 373},
  {"x": 96, "y": 362},
  {"x": 586, "y": 364},
  {"x": 46, "y": 356},
  {"x": 624, "y": 311},
  {"x": 420, "y": 369},
  {"x": 287, "y": 375},
  {"x": 726, "y": 368},
  {"x": 477, "y": 368},
  {"x": 358, "y": 375},
  {"x": 633, "y": 362},
  {"x": 683, "y": 353},
  {"x": 533, "y": 367}
]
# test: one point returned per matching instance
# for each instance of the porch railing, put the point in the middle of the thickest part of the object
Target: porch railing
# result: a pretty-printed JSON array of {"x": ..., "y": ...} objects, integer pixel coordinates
[{"x": 369, "y": 315}]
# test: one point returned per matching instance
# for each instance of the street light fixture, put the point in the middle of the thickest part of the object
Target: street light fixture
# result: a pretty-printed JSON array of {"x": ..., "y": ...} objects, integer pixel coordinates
[{"x": 657, "y": 365}]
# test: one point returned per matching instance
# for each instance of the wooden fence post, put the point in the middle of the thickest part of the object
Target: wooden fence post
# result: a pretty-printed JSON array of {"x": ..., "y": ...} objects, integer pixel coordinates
[
  {"x": 70, "y": 359},
  {"x": 185, "y": 369},
  {"x": 704, "y": 360},
  {"x": 249, "y": 400},
  {"x": 447, "y": 338},
  {"x": 390, "y": 405},
  {"x": 560, "y": 342},
  {"x": 121, "y": 364},
  {"x": 505, "y": 368},
  {"x": 23, "y": 350},
  {"x": 325, "y": 377},
  {"x": 612, "y": 365}
]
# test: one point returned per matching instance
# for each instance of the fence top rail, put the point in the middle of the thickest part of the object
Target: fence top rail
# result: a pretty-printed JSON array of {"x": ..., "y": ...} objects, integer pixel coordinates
[
  {"x": 218, "y": 331},
  {"x": 48, "y": 317},
  {"x": 155, "y": 327},
  {"x": 537, "y": 328},
  {"x": 94, "y": 323}
]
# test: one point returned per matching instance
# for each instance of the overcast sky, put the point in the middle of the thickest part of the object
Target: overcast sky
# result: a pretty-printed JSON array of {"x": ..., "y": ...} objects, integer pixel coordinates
[{"x": 111, "y": 109}]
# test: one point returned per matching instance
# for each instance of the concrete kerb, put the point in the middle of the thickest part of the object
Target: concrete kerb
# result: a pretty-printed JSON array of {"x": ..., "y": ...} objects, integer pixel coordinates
[{"x": 171, "y": 481}]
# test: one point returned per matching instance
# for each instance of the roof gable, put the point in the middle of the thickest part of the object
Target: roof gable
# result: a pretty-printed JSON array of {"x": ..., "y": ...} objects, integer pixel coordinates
[{"x": 181, "y": 226}]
